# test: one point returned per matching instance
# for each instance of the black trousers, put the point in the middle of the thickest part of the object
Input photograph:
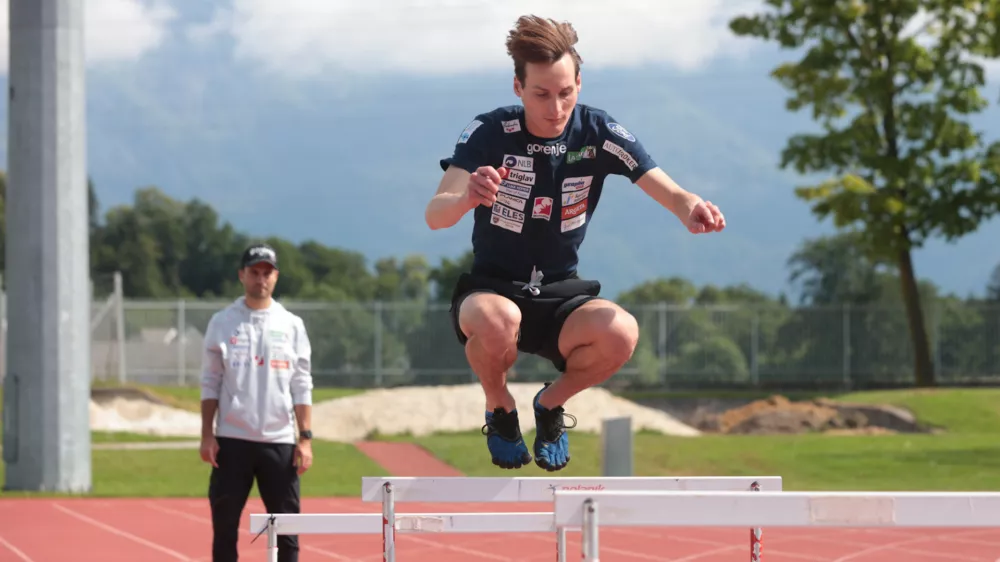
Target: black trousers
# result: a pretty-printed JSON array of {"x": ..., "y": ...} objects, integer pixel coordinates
[{"x": 240, "y": 463}]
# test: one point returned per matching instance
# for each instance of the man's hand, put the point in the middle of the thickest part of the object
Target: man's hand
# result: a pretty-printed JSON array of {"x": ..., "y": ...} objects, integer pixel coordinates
[
  {"x": 484, "y": 185},
  {"x": 303, "y": 456},
  {"x": 705, "y": 217},
  {"x": 210, "y": 450}
]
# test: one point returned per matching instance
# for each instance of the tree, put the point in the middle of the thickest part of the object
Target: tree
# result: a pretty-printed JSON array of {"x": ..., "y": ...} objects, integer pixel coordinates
[{"x": 892, "y": 84}]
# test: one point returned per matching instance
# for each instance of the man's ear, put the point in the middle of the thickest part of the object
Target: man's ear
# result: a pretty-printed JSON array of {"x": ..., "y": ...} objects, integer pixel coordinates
[{"x": 517, "y": 87}]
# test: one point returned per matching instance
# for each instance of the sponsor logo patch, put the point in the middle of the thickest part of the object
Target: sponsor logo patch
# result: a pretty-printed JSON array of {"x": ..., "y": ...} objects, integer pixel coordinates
[
  {"x": 511, "y": 201},
  {"x": 467, "y": 133},
  {"x": 522, "y": 163},
  {"x": 514, "y": 189},
  {"x": 576, "y": 184},
  {"x": 542, "y": 208},
  {"x": 508, "y": 218},
  {"x": 526, "y": 178},
  {"x": 511, "y": 126},
  {"x": 585, "y": 153},
  {"x": 621, "y": 153},
  {"x": 621, "y": 131},
  {"x": 280, "y": 364},
  {"x": 574, "y": 197},
  {"x": 573, "y": 223},
  {"x": 574, "y": 210},
  {"x": 547, "y": 149}
]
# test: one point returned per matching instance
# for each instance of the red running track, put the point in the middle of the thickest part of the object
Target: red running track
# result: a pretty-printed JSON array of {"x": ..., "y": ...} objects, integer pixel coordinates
[{"x": 168, "y": 530}]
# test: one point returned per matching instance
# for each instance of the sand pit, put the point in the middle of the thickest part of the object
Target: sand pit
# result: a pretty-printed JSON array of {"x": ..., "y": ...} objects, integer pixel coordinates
[
  {"x": 415, "y": 411},
  {"x": 779, "y": 415},
  {"x": 138, "y": 415},
  {"x": 422, "y": 411}
]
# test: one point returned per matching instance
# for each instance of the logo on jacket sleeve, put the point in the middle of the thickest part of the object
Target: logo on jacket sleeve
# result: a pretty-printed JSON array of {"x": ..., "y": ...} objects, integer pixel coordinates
[
  {"x": 511, "y": 126},
  {"x": 467, "y": 133},
  {"x": 621, "y": 131}
]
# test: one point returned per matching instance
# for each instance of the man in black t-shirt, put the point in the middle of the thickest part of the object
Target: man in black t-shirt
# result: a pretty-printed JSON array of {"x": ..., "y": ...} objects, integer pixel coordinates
[{"x": 533, "y": 176}]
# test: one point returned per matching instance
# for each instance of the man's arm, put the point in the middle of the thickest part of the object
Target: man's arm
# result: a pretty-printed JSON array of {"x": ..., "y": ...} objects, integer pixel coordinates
[
  {"x": 661, "y": 187},
  {"x": 301, "y": 384},
  {"x": 451, "y": 202},
  {"x": 212, "y": 371},
  {"x": 463, "y": 186}
]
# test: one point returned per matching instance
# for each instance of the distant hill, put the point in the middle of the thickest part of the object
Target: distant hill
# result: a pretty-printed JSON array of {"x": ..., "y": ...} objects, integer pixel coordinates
[{"x": 352, "y": 164}]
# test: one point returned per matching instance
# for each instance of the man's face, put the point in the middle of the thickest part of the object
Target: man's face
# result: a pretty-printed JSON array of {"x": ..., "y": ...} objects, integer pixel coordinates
[
  {"x": 549, "y": 95},
  {"x": 259, "y": 280}
]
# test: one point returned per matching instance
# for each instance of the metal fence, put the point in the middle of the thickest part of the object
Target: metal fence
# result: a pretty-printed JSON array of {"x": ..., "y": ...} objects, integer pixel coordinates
[
  {"x": 401, "y": 343},
  {"x": 393, "y": 343}
]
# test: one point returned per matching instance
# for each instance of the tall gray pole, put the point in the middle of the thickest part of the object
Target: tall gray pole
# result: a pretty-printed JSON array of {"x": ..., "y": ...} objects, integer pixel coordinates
[{"x": 47, "y": 386}]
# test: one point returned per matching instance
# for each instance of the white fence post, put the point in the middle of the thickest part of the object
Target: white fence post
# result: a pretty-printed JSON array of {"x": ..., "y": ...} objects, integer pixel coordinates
[{"x": 120, "y": 326}]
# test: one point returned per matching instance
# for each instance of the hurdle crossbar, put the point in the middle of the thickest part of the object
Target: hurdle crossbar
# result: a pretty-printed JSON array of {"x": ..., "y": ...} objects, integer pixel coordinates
[
  {"x": 389, "y": 490},
  {"x": 779, "y": 509},
  {"x": 371, "y": 523}
]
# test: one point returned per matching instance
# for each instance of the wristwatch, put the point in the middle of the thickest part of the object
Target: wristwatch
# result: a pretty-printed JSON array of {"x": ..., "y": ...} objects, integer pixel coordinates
[{"x": 305, "y": 434}]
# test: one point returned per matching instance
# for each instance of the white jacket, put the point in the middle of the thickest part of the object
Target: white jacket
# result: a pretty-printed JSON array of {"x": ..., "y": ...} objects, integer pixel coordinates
[{"x": 257, "y": 364}]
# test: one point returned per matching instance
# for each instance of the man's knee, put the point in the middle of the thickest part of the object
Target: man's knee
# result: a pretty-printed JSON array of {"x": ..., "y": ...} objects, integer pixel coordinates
[
  {"x": 492, "y": 319},
  {"x": 605, "y": 325}
]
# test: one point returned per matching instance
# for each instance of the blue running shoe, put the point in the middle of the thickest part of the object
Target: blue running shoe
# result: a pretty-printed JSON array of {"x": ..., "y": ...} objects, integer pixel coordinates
[
  {"x": 504, "y": 440},
  {"x": 551, "y": 441}
]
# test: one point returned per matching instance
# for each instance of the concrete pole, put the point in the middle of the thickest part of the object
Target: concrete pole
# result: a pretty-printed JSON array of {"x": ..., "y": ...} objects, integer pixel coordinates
[{"x": 47, "y": 387}]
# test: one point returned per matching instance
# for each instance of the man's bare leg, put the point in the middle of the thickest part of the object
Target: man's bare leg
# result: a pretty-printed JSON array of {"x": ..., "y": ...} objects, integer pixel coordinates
[
  {"x": 491, "y": 323},
  {"x": 597, "y": 339}
]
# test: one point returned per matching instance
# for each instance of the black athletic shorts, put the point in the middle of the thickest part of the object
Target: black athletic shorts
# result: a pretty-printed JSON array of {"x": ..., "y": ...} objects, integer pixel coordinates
[{"x": 542, "y": 315}]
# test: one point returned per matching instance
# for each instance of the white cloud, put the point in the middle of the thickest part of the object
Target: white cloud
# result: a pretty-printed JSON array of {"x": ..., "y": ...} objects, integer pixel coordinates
[
  {"x": 114, "y": 30},
  {"x": 314, "y": 37}
]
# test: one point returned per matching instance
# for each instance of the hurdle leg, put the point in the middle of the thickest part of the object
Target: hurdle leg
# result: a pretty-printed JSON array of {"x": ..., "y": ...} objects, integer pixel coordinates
[
  {"x": 272, "y": 541},
  {"x": 388, "y": 524},
  {"x": 561, "y": 544},
  {"x": 591, "y": 552},
  {"x": 755, "y": 533}
]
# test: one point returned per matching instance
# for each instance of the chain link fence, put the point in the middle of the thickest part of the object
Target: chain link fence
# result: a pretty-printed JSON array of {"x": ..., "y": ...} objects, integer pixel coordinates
[{"x": 739, "y": 347}]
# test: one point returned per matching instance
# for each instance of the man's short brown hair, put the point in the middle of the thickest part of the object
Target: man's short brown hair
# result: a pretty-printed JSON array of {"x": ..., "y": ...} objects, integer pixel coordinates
[{"x": 541, "y": 41}]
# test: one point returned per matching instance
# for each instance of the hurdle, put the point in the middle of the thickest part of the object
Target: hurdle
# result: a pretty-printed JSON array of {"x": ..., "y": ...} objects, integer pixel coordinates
[
  {"x": 592, "y": 510},
  {"x": 390, "y": 490}
]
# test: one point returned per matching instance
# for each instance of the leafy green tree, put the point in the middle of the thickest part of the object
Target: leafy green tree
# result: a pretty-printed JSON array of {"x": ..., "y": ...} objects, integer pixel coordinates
[{"x": 892, "y": 84}]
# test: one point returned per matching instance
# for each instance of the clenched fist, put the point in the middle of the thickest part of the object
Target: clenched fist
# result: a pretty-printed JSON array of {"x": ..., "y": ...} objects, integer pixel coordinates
[
  {"x": 705, "y": 217},
  {"x": 484, "y": 185}
]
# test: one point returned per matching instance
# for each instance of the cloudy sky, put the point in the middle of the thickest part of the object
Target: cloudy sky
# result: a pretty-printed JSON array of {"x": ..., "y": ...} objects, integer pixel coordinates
[{"x": 320, "y": 38}]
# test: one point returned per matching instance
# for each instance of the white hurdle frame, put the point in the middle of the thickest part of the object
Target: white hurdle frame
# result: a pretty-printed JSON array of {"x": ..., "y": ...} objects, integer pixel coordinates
[
  {"x": 596, "y": 509},
  {"x": 389, "y": 490}
]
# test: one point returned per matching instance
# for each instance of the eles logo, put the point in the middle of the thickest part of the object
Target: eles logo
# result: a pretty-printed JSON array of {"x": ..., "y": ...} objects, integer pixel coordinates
[{"x": 547, "y": 149}]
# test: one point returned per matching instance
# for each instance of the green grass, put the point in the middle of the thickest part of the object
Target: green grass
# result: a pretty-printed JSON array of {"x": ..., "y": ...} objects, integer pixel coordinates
[
  {"x": 125, "y": 437},
  {"x": 965, "y": 457},
  {"x": 337, "y": 470}
]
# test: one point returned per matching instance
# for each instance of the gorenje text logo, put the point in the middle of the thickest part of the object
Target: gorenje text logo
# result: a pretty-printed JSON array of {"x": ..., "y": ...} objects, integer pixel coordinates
[{"x": 549, "y": 149}]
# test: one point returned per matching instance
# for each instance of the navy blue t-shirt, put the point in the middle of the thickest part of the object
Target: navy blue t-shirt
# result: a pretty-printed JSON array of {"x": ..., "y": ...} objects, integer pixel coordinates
[{"x": 544, "y": 206}]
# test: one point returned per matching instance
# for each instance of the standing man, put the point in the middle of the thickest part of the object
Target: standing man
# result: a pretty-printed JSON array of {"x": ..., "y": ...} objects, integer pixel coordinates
[
  {"x": 256, "y": 384},
  {"x": 533, "y": 175}
]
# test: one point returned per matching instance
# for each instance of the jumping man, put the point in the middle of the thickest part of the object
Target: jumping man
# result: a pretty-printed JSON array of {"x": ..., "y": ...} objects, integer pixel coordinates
[{"x": 533, "y": 175}]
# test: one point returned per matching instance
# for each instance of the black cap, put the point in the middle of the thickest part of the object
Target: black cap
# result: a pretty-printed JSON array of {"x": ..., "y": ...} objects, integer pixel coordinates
[{"x": 259, "y": 253}]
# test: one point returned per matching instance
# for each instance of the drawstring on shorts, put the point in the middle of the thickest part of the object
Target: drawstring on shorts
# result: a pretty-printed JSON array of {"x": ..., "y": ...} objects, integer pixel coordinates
[{"x": 535, "y": 282}]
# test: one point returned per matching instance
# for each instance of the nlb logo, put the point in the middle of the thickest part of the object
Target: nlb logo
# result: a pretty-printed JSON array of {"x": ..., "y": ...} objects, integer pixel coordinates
[
  {"x": 522, "y": 163},
  {"x": 548, "y": 149}
]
